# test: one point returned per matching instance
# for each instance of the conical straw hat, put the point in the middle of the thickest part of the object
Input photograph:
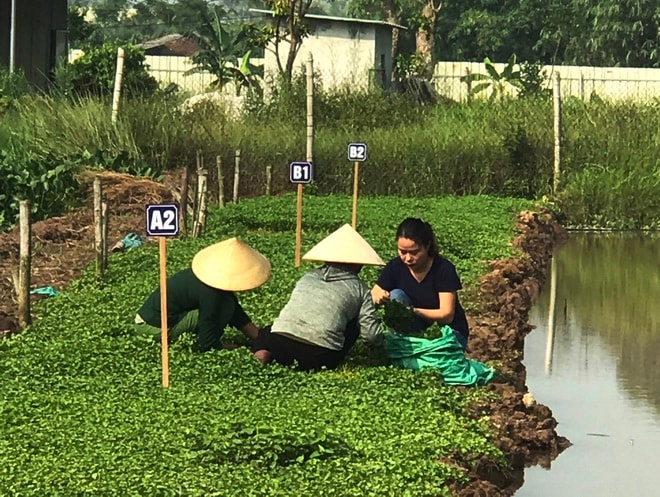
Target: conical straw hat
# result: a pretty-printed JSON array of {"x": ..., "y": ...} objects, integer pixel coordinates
[
  {"x": 231, "y": 265},
  {"x": 344, "y": 246}
]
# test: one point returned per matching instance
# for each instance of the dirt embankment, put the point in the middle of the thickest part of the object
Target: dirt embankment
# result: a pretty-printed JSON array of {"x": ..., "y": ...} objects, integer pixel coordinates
[
  {"x": 63, "y": 246},
  {"x": 526, "y": 429}
]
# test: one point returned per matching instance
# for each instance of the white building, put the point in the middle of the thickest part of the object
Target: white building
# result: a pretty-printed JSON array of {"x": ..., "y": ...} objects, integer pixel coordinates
[{"x": 345, "y": 51}]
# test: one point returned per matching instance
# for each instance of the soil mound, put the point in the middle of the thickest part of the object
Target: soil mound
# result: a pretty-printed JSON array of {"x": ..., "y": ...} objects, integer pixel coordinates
[{"x": 63, "y": 246}]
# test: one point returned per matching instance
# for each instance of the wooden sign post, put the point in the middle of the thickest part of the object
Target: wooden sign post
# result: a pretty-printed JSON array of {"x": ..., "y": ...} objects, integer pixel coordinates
[
  {"x": 300, "y": 173},
  {"x": 357, "y": 152},
  {"x": 163, "y": 221},
  {"x": 306, "y": 166},
  {"x": 163, "y": 311}
]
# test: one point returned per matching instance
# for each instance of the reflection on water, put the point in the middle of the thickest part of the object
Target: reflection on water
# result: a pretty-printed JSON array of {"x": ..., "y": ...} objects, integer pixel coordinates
[{"x": 594, "y": 359}]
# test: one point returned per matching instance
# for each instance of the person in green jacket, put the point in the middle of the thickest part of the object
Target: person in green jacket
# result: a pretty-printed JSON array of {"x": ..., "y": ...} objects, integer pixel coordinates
[{"x": 201, "y": 299}]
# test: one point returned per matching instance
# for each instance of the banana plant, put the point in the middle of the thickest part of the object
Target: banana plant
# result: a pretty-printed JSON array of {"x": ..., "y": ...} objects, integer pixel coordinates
[
  {"x": 498, "y": 82},
  {"x": 225, "y": 54}
]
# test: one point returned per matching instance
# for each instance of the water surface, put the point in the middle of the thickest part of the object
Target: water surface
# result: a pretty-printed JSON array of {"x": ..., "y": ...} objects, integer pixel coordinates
[{"x": 594, "y": 359}]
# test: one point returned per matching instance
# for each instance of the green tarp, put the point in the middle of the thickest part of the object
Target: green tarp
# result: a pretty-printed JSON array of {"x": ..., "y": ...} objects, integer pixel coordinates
[{"x": 443, "y": 353}]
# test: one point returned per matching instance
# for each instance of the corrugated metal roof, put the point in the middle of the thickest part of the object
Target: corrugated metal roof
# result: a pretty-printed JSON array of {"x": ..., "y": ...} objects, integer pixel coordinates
[
  {"x": 173, "y": 44},
  {"x": 333, "y": 18}
]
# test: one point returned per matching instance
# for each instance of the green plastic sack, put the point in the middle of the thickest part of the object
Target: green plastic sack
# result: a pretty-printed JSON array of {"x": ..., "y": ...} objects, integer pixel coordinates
[
  {"x": 48, "y": 291},
  {"x": 443, "y": 353}
]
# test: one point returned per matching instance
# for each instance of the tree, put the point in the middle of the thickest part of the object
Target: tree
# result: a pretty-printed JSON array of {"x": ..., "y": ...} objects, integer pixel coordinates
[
  {"x": 387, "y": 10},
  {"x": 94, "y": 73},
  {"x": 80, "y": 30},
  {"x": 288, "y": 27},
  {"x": 579, "y": 32},
  {"x": 117, "y": 21},
  {"x": 425, "y": 37},
  {"x": 607, "y": 33},
  {"x": 328, "y": 8},
  {"x": 391, "y": 11},
  {"x": 420, "y": 16},
  {"x": 157, "y": 17},
  {"x": 491, "y": 29}
]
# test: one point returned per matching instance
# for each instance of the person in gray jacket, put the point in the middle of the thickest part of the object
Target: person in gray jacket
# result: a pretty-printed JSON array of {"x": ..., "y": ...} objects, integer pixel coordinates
[{"x": 329, "y": 308}]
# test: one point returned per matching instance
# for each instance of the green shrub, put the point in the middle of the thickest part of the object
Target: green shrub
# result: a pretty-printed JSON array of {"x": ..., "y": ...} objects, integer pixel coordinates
[
  {"x": 47, "y": 183},
  {"x": 612, "y": 197},
  {"x": 12, "y": 86},
  {"x": 93, "y": 74}
]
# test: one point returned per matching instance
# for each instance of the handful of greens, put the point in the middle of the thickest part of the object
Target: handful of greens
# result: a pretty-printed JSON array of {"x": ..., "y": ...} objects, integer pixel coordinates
[{"x": 399, "y": 317}]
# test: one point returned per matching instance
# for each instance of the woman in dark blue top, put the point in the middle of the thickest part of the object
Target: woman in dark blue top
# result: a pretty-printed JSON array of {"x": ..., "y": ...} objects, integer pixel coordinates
[{"x": 421, "y": 278}]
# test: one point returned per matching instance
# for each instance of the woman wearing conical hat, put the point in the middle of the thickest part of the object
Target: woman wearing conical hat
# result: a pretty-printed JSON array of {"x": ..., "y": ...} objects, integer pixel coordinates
[
  {"x": 330, "y": 307},
  {"x": 201, "y": 299}
]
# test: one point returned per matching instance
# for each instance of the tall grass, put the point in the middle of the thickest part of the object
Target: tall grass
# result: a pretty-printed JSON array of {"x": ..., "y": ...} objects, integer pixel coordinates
[
  {"x": 613, "y": 165},
  {"x": 610, "y": 169}
]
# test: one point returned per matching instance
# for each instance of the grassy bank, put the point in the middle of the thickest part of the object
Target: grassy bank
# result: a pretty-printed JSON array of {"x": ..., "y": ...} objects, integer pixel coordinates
[
  {"x": 610, "y": 169},
  {"x": 82, "y": 410}
]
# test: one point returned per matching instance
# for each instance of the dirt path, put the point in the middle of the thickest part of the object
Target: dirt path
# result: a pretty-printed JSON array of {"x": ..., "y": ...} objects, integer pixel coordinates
[{"x": 63, "y": 246}]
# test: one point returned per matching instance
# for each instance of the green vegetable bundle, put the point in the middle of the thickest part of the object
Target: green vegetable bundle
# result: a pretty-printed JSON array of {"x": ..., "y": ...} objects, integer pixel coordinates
[{"x": 399, "y": 317}]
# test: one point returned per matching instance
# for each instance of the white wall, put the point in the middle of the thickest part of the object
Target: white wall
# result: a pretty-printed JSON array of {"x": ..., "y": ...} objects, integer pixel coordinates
[
  {"x": 171, "y": 69},
  {"x": 350, "y": 61},
  {"x": 613, "y": 83},
  {"x": 343, "y": 53}
]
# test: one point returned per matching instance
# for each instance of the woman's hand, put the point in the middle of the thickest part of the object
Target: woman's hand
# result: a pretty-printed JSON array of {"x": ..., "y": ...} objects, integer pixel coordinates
[
  {"x": 379, "y": 295},
  {"x": 443, "y": 315}
]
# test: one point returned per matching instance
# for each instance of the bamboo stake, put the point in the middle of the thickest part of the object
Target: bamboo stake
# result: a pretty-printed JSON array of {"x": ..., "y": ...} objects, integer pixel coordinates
[
  {"x": 200, "y": 215},
  {"x": 356, "y": 182},
  {"x": 104, "y": 234},
  {"x": 117, "y": 90},
  {"x": 310, "y": 152},
  {"x": 310, "y": 108},
  {"x": 269, "y": 179},
  {"x": 195, "y": 206},
  {"x": 199, "y": 161},
  {"x": 556, "y": 99},
  {"x": 203, "y": 201},
  {"x": 237, "y": 173},
  {"x": 298, "y": 223},
  {"x": 184, "y": 200},
  {"x": 550, "y": 338},
  {"x": 221, "y": 181},
  {"x": 98, "y": 226},
  {"x": 24, "y": 265}
]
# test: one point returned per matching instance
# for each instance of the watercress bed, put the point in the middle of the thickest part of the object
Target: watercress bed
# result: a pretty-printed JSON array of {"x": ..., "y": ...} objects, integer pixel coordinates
[{"x": 83, "y": 412}]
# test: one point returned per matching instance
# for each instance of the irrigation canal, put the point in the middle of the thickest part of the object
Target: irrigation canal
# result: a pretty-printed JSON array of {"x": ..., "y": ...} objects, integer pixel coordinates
[{"x": 594, "y": 359}]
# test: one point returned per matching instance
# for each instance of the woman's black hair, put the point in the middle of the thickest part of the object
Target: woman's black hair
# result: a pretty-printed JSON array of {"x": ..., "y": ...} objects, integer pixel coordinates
[{"x": 419, "y": 232}]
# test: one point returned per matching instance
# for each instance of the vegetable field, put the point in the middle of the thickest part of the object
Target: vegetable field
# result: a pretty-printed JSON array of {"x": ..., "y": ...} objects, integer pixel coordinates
[{"x": 83, "y": 412}]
